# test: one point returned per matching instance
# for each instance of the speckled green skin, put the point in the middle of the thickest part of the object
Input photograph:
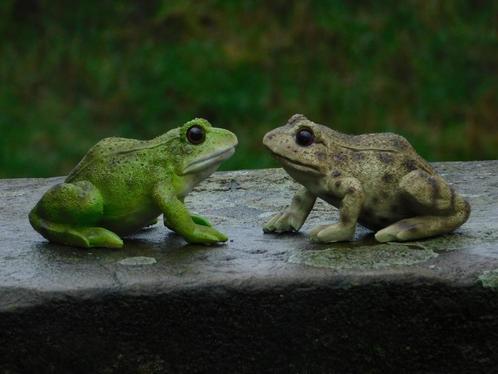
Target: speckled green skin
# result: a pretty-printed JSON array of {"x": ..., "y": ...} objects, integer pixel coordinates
[
  {"x": 377, "y": 180},
  {"x": 122, "y": 185}
]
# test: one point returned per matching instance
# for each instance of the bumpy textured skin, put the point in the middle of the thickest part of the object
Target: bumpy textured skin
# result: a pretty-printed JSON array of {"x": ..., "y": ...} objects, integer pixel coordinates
[
  {"x": 123, "y": 185},
  {"x": 377, "y": 180}
]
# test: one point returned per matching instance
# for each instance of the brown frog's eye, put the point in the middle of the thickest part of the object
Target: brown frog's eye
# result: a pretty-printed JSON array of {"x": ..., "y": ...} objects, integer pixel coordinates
[
  {"x": 305, "y": 137},
  {"x": 196, "y": 134}
]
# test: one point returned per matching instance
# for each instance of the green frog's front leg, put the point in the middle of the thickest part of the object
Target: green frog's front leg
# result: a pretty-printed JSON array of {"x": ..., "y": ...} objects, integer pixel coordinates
[
  {"x": 200, "y": 220},
  {"x": 178, "y": 218},
  {"x": 293, "y": 217}
]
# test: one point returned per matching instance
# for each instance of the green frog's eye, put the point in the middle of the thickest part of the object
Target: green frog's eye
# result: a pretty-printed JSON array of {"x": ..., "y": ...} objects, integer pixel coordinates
[
  {"x": 196, "y": 134},
  {"x": 305, "y": 137}
]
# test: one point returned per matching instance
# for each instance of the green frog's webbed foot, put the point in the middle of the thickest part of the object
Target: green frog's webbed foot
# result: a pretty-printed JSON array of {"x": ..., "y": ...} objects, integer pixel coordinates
[
  {"x": 69, "y": 213},
  {"x": 197, "y": 219},
  {"x": 205, "y": 235},
  {"x": 193, "y": 228},
  {"x": 85, "y": 237},
  {"x": 200, "y": 220},
  {"x": 100, "y": 237}
]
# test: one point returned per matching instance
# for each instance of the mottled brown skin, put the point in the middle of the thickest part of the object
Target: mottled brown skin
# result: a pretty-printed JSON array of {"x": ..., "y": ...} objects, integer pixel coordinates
[{"x": 377, "y": 180}]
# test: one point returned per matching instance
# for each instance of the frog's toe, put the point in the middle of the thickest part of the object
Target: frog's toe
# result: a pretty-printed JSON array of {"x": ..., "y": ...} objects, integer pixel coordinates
[
  {"x": 395, "y": 233},
  {"x": 282, "y": 222},
  {"x": 78, "y": 236},
  {"x": 200, "y": 220},
  {"x": 421, "y": 227},
  {"x": 205, "y": 235},
  {"x": 217, "y": 235},
  {"x": 290, "y": 223},
  {"x": 315, "y": 230},
  {"x": 384, "y": 236},
  {"x": 221, "y": 237},
  {"x": 270, "y": 225},
  {"x": 390, "y": 234},
  {"x": 331, "y": 233},
  {"x": 100, "y": 237}
]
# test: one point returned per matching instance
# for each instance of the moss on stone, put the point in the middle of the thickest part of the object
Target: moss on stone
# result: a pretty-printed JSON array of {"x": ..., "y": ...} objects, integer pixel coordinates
[
  {"x": 364, "y": 257},
  {"x": 489, "y": 279}
]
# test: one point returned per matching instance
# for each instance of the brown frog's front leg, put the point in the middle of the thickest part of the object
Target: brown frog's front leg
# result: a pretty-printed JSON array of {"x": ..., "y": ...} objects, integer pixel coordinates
[
  {"x": 293, "y": 217},
  {"x": 350, "y": 193},
  {"x": 441, "y": 209}
]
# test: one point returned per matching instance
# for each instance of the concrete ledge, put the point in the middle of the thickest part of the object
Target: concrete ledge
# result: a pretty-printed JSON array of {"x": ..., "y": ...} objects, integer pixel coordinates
[{"x": 261, "y": 302}]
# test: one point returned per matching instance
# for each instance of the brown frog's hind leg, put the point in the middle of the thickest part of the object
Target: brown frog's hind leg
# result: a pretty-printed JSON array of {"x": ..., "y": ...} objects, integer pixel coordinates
[{"x": 441, "y": 209}]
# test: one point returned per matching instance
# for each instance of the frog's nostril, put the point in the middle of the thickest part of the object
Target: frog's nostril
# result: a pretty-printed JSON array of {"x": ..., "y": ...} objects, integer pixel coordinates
[
  {"x": 235, "y": 140},
  {"x": 267, "y": 139}
]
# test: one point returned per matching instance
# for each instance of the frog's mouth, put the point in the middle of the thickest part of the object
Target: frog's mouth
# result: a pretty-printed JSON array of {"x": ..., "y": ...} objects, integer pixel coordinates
[
  {"x": 297, "y": 165},
  {"x": 205, "y": 162}
]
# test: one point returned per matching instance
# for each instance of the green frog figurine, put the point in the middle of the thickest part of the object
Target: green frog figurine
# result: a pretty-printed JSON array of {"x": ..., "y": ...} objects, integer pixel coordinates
[
  {"x": 377, "y": 180},
  {"x": 123, "y": 185}
]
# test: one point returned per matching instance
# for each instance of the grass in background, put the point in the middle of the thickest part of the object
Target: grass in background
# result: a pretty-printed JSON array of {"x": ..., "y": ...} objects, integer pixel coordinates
[{"x": 74, "y": 72}]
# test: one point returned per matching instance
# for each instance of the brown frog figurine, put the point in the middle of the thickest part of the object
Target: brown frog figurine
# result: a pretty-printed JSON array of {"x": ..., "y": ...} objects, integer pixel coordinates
[{"x": 377, "y": 180}]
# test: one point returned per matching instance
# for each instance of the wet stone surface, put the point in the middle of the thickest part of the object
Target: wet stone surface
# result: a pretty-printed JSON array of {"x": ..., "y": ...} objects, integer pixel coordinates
[{"x": 258, "y": 301}]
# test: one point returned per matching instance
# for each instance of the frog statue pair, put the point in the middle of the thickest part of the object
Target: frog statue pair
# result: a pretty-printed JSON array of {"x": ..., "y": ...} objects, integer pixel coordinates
[{"x": 123, "y": 185}]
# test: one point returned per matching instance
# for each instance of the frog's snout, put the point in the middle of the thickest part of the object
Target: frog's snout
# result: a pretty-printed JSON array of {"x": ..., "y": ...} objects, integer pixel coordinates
[
  {"x": 234, "y": 139},
  {"x": 267, "y": 139}
]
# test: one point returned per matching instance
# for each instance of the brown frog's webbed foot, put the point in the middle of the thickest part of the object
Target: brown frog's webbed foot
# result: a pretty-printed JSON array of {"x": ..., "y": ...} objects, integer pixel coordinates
[
  {"x": 441, "y": 209},
  {"x": 332, "y": 233}
]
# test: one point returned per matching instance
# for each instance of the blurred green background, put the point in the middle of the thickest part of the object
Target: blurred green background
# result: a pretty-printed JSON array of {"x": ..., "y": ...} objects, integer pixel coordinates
[{"x": 72, "y": 72}]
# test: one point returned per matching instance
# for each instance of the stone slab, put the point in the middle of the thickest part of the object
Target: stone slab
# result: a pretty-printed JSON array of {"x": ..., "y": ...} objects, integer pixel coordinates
[{"x": 258, "y": 303}]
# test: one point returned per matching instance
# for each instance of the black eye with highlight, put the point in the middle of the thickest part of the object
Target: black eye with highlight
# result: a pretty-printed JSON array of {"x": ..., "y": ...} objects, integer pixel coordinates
[
  {"x": 196, "y": 134},
  {"x": 305, "y": 137}
]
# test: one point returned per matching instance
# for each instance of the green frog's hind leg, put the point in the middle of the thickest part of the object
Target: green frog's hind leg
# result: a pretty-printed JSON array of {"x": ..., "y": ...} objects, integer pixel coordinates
[
  {"x": 68, "y": 213},
  {"x": 441, "y": 209}
]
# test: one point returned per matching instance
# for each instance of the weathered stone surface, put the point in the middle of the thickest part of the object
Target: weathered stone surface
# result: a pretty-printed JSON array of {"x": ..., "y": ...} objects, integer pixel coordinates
[{"x": 259, "y": 302}]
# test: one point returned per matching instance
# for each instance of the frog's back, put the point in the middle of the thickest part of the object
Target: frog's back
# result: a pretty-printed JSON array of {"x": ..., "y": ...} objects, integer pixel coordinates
[
  {"x": 102, "y": 153},
  {"x": 385, "y": 141},
  {"x": 120, "y": 169},
  {"x": 382, "y": 147},
  {"x": 379, "y": 162}
]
